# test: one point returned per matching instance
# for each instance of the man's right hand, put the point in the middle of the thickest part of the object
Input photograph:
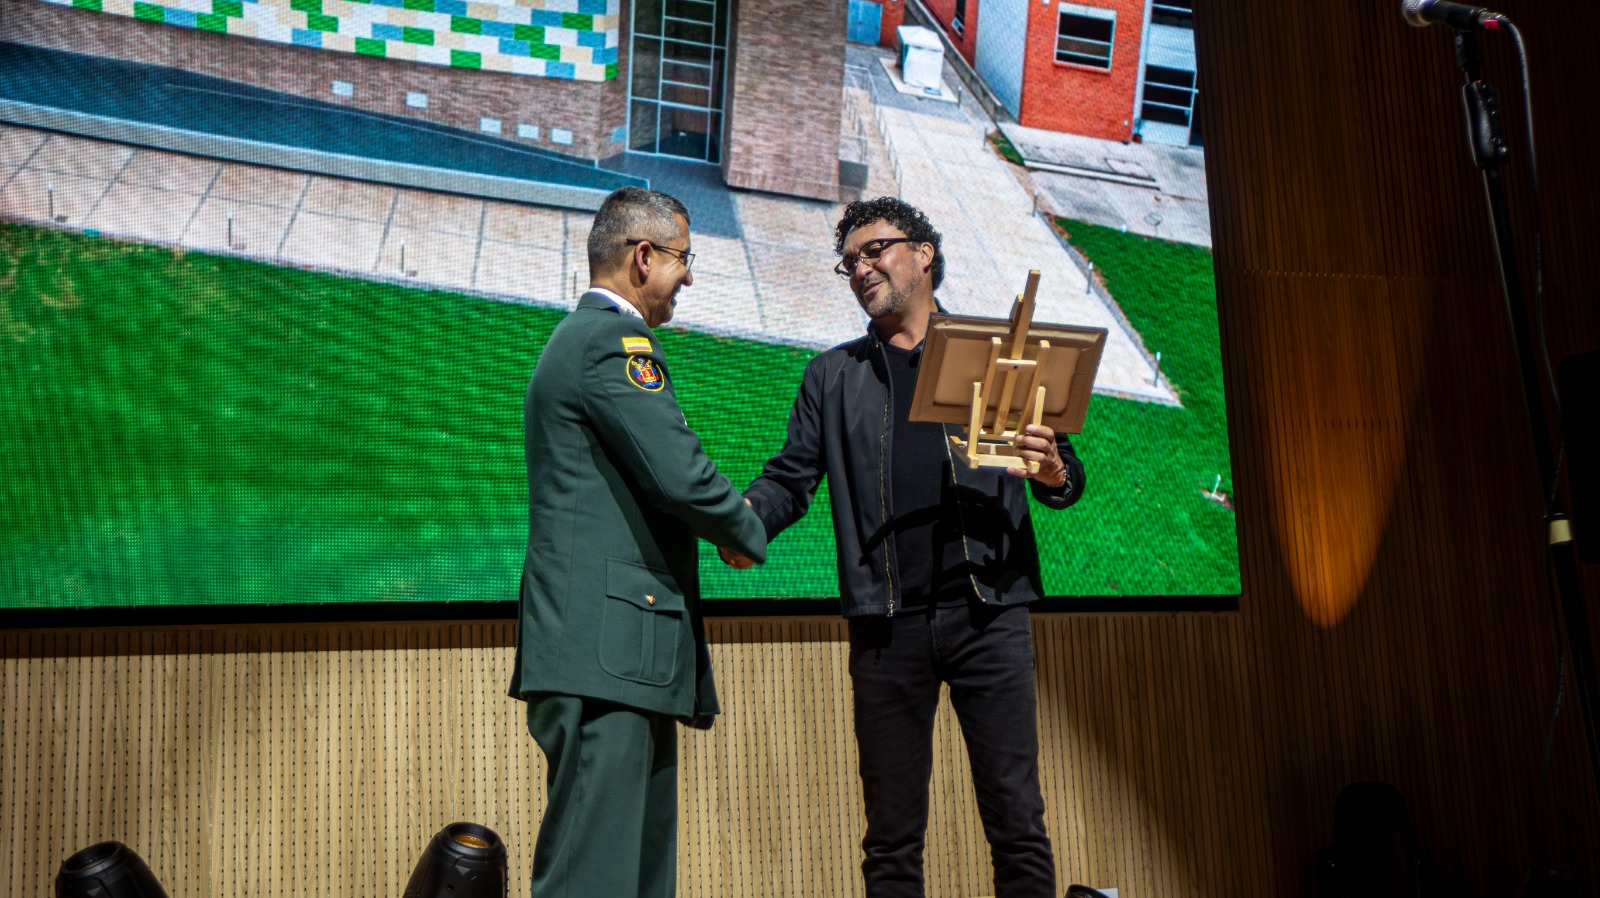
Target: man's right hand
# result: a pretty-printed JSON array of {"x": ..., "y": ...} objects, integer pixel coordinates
[{"x": 734, "y": 559}]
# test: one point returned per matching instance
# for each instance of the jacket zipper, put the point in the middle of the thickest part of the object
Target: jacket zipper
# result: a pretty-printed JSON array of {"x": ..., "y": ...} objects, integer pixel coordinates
[
  {"x": 883, "y": 488},
  {"x": 961, "y": 515}
]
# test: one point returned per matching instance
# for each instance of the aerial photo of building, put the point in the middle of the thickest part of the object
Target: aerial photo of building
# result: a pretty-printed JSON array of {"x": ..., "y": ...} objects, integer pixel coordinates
[
  {"x": 542, "y": 88},
  {"x": 1114, "y": 69}
]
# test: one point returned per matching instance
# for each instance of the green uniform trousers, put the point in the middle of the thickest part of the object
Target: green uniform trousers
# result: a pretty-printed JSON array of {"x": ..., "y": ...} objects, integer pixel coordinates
[{"x": 610, "y": 827}]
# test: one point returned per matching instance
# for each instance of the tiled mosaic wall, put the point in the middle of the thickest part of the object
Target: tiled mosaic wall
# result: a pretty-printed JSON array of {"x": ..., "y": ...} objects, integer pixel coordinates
[{"x": 571, "y": 39}]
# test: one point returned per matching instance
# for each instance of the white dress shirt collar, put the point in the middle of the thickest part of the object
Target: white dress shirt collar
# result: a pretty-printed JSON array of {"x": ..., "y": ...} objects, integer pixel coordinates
[{"x": 623, "y": 306}]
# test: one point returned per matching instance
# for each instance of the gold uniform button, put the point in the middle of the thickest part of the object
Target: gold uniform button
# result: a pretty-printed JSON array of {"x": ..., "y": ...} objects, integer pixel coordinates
[{"x": 650, "y": 600}]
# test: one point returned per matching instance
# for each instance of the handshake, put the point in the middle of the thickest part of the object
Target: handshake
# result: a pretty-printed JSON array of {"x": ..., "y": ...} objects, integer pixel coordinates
[{"x": 734, "y": 560}]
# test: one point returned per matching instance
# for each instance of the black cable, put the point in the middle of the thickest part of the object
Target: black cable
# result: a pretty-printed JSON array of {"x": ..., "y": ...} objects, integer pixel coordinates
[
  {"x": 1543, "y": 338},
  {"x": 1539, "y": 325},
  {"x": 1542, "y": 795}
]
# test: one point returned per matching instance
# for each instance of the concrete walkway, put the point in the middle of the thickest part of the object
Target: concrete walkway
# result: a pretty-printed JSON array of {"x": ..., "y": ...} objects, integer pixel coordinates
[
  {"x": 1147, "y": 189},
  {"x": 992, "y": 237},
  {"x": 765, "y": 275}
]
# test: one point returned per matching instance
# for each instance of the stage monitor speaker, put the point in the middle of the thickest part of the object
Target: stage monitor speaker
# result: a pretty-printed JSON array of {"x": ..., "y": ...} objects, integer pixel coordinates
[
  {"x": 107, "y": 870},
  {"x": 1579, "y": 383}
]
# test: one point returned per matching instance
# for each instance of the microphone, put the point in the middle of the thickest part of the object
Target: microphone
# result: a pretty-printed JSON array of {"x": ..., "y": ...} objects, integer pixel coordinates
[{"x": 1422, "y": 13}]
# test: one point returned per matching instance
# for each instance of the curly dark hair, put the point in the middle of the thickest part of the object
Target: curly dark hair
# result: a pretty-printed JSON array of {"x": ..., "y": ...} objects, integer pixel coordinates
[{"x": 897, "y": 213}]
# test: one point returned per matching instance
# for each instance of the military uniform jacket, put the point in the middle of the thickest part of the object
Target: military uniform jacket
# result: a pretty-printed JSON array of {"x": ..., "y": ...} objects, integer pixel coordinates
[{"x": 619, "y": 489}]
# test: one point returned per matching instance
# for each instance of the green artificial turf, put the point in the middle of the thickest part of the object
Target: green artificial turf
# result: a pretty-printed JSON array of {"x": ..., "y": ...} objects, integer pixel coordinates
[
  {"x": 182, "y": 428},
  {"x": 187, "y": 428},
  {"x": 1146, "y": 525}
]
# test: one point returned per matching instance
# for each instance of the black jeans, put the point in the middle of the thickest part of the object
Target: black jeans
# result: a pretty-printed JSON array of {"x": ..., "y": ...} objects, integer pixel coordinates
[{"x": 896, "y": 667}]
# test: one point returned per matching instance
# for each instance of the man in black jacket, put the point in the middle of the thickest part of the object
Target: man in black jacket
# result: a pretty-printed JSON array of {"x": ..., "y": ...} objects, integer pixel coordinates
[{"x": 937, "y": 563}]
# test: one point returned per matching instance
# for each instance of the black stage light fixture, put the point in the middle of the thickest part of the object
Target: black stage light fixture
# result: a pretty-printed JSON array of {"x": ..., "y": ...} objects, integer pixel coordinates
[
  {"x": 107, "y": 870},
  {"x": 464, "y": 860}
]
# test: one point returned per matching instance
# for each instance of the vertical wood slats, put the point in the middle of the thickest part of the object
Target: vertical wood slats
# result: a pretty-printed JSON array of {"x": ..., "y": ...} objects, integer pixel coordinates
[
  {"x": 1173, "y": 761},
  {"x": 268, "y": 764}
]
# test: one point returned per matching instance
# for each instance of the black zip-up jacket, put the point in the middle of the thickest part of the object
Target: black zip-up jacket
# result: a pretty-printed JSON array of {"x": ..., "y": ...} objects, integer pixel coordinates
[{"x": 841, "y": 427}]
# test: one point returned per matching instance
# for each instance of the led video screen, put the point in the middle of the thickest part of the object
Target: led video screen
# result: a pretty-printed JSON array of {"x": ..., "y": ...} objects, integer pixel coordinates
[{"x": 274, "y": 273}]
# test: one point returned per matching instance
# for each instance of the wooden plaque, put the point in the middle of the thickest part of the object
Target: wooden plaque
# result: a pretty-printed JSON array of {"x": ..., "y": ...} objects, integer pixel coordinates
[{"x": 957, "y": 355}]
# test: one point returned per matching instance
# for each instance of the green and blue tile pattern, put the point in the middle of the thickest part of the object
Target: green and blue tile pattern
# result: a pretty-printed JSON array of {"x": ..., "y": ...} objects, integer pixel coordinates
[{"x": 570, "y": 39}]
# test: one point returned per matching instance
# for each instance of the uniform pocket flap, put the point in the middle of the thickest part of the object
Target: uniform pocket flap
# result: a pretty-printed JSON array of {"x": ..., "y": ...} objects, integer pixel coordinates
[{"x": 644, "y": 587}]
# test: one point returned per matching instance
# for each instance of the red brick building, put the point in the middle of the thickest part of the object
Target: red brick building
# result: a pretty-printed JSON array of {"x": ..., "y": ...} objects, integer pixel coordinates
[{"x": 1113, "y": 69}]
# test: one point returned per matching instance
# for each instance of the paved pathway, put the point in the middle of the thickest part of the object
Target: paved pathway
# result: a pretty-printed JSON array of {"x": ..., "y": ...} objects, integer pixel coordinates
[
  {"x": 771, "y": 282},
  {"x": 992, "y": 237},
  {"x": 1167, "y": 198}
]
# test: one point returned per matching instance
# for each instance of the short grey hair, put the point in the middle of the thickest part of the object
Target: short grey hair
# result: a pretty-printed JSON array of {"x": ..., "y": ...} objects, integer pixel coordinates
[{"x": 631, "y": 213}]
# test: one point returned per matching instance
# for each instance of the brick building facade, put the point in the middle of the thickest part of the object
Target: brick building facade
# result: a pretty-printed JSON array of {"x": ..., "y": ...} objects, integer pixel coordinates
[
  {"x": 590, "y": 112},
  {"x": 785, "y": 82},
  {"x": 1113, "y": 69},
  {"x": 1077, "y": 95},
  {"x": 780, "y": 103}
]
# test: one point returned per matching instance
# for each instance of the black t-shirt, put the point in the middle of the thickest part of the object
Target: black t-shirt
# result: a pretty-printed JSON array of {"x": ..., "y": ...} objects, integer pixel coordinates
[{"x": 930, "y": 564}]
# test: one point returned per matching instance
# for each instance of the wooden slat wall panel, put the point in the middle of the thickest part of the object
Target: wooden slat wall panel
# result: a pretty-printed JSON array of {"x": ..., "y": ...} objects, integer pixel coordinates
[
  {"x": 1177, "y": 759},
  {"x": 1394, "y": 624},
  {"x": 1412, "y": 443}
]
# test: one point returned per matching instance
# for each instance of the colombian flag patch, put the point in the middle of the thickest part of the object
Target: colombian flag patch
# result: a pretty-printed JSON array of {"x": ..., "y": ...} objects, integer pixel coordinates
[
  {"x": 644, "y": 373},
  {"x": 635, "y": 344}
]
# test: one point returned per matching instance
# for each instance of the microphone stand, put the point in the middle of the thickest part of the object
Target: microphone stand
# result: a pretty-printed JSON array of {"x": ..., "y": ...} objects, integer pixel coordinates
[{"x": 1489, "y": 153}]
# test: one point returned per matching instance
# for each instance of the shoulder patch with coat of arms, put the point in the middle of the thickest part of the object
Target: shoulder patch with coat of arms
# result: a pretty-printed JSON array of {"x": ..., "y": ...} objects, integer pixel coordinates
[{"x": 644, "y": 373}]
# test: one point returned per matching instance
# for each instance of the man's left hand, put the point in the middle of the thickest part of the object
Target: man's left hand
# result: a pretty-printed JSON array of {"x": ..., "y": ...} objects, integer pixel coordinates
[{"x": 1038, "y": 443}]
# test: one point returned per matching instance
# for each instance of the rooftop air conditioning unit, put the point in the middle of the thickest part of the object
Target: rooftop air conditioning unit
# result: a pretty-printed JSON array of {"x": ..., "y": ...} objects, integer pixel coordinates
[{"x": 921, "y": 57}]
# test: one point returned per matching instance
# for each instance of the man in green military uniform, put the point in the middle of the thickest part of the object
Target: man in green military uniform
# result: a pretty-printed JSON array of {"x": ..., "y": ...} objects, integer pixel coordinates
[{"x": 611, "y": 651}]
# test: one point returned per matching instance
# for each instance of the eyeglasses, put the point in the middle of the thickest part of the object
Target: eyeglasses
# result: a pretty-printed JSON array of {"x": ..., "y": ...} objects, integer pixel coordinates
[
  {"x": 684, "y": 256},
  {"x": 869, "y": 254}
]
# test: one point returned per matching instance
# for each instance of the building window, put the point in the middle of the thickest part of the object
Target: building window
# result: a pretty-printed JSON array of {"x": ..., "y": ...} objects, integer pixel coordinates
[
  {"x": 958, "y": 22},
  {"x": 1177, "y": 13},
  {"x": 680, "y": 49},
  {"x": 1168, "y": 95},
  {"x": 1084, "y": 35}
]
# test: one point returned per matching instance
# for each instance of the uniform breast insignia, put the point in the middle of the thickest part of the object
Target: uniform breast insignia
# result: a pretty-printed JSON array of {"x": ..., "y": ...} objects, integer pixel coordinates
[
  {"x": 644, "y": 373},
  {"x": 635, "y": 344}
]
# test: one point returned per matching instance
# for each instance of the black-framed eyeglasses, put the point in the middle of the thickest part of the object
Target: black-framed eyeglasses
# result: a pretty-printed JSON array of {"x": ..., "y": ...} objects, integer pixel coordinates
[
  {"x": 686, "y": 257},
  {"x": 869, "y": 254}
]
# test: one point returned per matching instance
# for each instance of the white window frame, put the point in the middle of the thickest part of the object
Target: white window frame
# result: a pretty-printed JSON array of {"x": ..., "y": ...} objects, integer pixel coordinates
[
  {"x": 1191, "y": 90},
  {"x": 1158, "y": 6},
  {"x": 1079, "y": 58}
]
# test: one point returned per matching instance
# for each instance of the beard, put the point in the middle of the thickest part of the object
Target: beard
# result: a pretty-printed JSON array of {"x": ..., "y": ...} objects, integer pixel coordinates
[{"x": 889, "y": 299}]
